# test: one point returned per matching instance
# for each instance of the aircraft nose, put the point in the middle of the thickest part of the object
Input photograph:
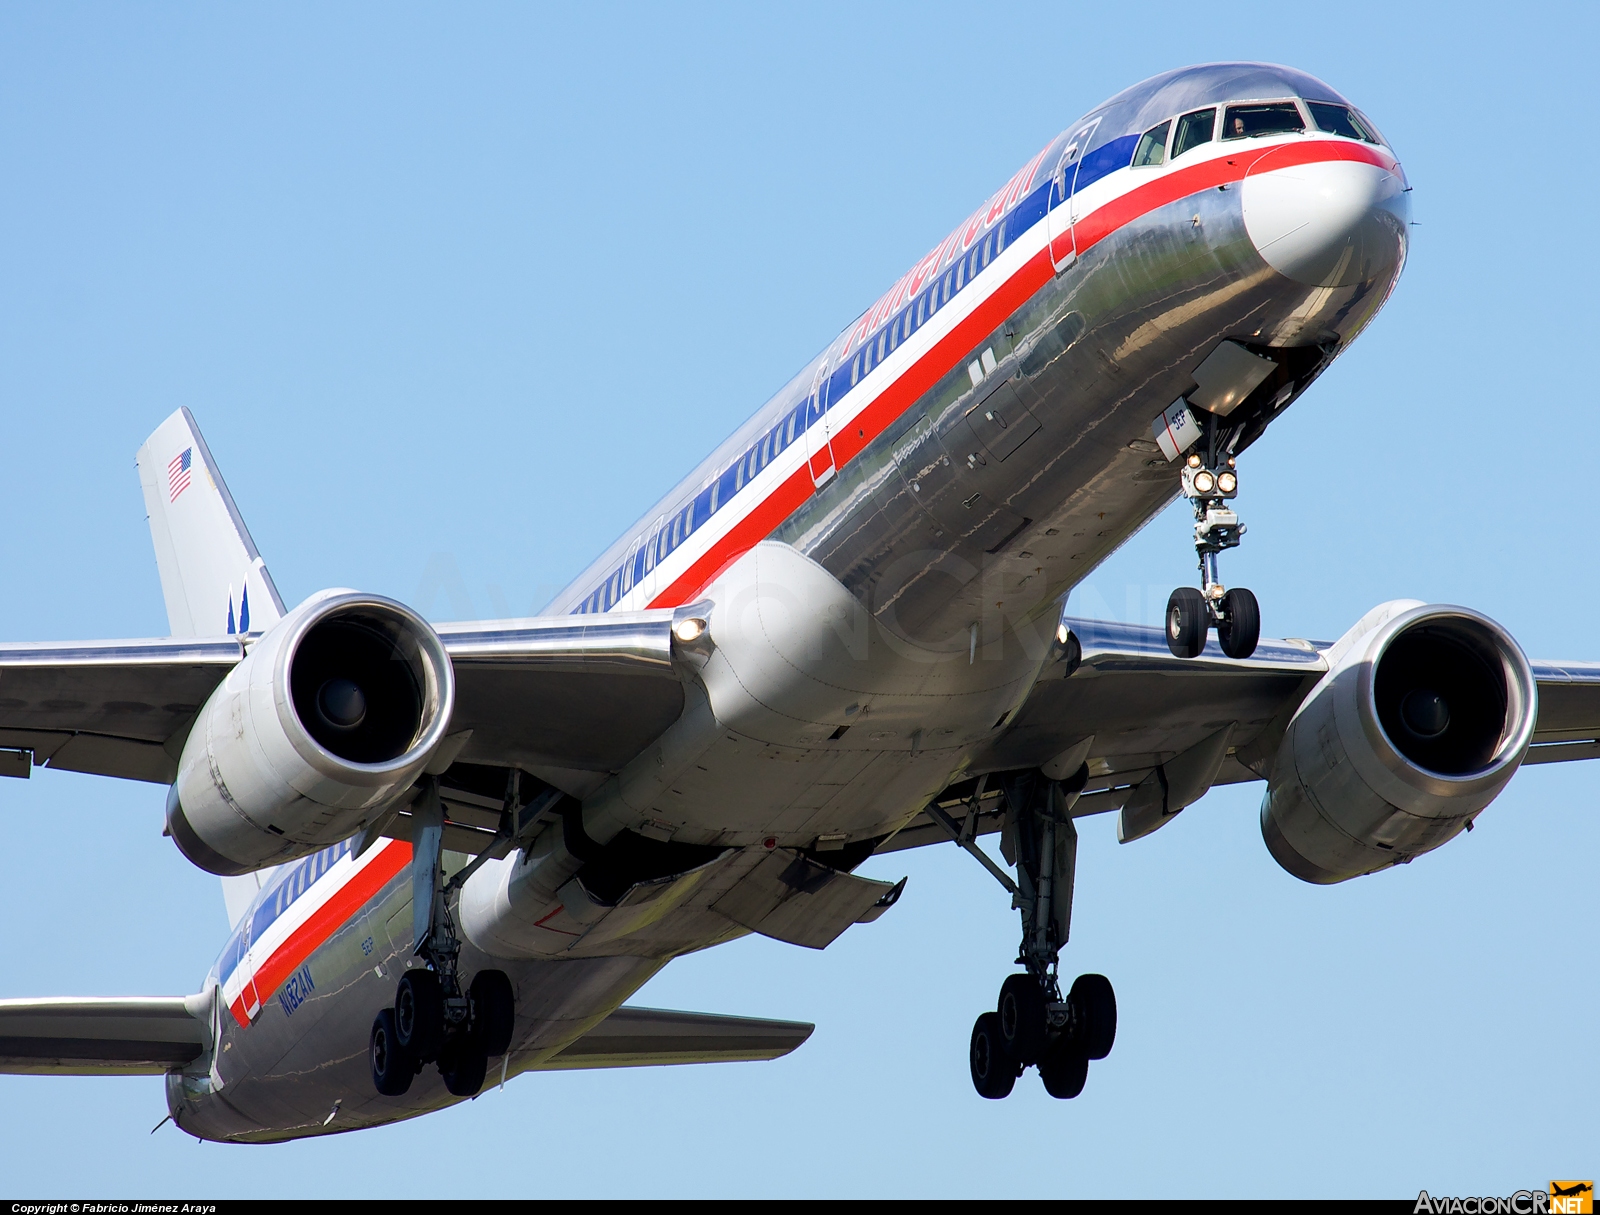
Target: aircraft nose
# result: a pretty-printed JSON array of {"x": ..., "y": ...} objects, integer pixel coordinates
[{"x": 1328, "y": 224}]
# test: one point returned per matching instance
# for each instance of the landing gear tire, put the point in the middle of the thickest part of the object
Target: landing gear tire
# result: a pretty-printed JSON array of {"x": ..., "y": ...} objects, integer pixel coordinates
[
  {"x": 392, "y": 1065},
  {"x": 463, "y": 1065},
  {"x": 1064, "y": 1068},
  {"x": 1023, "y": 1026},
  {"x": 994, "y": 1072},
  {"x": 1188, "y": 619},
  {"x": 419, "y": 1014},
  {"x": 1240, "y": 626},
  {"x": 1093, "y": 1013},
  {"x": 493, "y": 1010}
]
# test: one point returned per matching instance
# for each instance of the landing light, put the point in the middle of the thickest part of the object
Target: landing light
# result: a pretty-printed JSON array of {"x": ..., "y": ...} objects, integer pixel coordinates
[
  {"x": 689, "y": 629},
  {"x": 1194, "y": 461},
  {"x": 1227, "y": 482},
  {"x": 1204, "y": 482}
]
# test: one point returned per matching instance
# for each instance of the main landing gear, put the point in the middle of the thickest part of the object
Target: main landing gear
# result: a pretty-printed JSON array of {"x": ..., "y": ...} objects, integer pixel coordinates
[
  {"x": 432, "y": 1020},
  {"x": 1209, "y": 481},
  {"x": 1032, "y": 1024}
]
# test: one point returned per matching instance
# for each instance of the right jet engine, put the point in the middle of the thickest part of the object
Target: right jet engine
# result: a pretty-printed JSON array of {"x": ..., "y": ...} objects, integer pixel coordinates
[{"x": 1424, "y": 715}]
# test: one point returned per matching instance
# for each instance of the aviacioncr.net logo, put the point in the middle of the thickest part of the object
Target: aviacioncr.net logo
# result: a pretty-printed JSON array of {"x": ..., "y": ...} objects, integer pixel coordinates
[{"x": 1562, "y": 1198}]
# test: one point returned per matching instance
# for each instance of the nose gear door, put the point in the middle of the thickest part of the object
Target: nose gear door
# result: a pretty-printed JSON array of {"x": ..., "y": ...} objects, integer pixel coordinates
[{"x": 1063, "y": 248}]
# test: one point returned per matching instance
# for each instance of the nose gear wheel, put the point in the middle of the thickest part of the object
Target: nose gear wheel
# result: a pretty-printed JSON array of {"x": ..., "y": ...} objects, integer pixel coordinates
[{"x": 1210, "y": 482}]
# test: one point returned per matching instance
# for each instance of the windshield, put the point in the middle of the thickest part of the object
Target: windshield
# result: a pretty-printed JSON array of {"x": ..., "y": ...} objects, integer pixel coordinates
[
  {"x": 1152, "y": 149},
  {"x": 1270, "y": 118},
  {"x": 1193, "y": 130},
  {"x": 1338, "y": 120}
]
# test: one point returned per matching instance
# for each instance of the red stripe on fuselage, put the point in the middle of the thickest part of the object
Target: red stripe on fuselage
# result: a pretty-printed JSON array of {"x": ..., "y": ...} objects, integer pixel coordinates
[
  {"x": 872, "y": 421},
  {"x": 1008, "y": 296},
  {"x": 899, "y": 396},
  {"x": 341, "y": 907},
  {"x": 743, "y": 536},
  {"x": 1208, "y": 175}
]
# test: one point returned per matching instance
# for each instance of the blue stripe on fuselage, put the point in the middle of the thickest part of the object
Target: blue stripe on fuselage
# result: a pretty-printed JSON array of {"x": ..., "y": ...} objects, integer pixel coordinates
[
  {"x": 273, "y": 901},
  {"x": 1031, "y": 209}
]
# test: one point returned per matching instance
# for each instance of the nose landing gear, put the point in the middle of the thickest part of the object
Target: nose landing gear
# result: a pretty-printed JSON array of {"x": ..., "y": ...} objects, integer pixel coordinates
[
  {"x": 1032, "y": 1024},
  {"x": 1209, "y": 482}
]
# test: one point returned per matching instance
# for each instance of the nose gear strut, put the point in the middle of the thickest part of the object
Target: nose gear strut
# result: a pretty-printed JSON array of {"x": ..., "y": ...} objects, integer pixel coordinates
[
  {"x": 1033, "y": 1025},
  {"x": 1210, "y": 482}
]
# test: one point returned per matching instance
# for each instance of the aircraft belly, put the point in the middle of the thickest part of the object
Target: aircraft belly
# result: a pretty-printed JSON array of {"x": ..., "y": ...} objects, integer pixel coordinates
[{"x": 285, "y": 1073}]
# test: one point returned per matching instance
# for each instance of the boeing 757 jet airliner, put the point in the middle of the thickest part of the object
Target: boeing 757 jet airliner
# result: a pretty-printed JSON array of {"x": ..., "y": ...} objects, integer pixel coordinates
[{"x": 450, "y": 851}]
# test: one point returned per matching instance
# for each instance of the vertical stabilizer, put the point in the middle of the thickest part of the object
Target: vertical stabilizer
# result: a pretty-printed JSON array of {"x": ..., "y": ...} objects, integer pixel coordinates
[{"x": 212, "y": 577}]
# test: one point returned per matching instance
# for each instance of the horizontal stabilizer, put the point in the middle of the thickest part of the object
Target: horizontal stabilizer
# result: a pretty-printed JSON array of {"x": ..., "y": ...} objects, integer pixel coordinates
[
  {"x": 646, "y": 1037},
  {"x": 127, "y": 1036}
]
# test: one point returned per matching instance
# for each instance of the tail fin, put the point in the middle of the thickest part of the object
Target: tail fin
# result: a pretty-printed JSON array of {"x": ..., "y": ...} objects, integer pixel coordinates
[{"x": 212, "y": 577}]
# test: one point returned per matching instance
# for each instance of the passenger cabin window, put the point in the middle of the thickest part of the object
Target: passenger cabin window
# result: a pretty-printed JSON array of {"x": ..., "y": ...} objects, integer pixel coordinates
[
  {"x": 1152, "y": 149},
  {"x": 1338, "y": 120},
  {"x": 1193, "y": 130},
  {"x": 1253, "y": 121}
]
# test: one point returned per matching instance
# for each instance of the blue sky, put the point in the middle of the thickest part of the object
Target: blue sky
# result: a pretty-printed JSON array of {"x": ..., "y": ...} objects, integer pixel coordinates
[{"x": 455, "y": 295}]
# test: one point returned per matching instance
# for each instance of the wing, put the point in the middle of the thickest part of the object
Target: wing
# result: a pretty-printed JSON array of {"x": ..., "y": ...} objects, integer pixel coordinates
[
  {"x": 117, "y": 708},
  {"x": 643, "y": 1037},
  {"x": 1569, "y": 712},
  {"x": 136, "y": 1035},
  {"x": 576, "y": 692},
  {"x": 1142, "y": 707},
  {"x": 1136, "y": 706},
  {"x": 570, "y": 692}
]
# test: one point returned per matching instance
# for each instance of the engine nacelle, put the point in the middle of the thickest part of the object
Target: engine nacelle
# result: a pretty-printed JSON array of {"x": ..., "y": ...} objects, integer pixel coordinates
[
  {"x": 332, "y": 715},
  {"x": 1422, "y": 718}
]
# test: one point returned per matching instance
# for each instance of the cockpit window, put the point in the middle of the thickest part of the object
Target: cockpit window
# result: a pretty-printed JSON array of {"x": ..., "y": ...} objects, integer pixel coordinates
[
  {"x": 1152, "y": 149},
  {"x": 1252, "y": 121},
  {"x": 1193, "y": 130},
  {"x": 1338, "y": 120},
  {"x": 1367, "y": 125}
]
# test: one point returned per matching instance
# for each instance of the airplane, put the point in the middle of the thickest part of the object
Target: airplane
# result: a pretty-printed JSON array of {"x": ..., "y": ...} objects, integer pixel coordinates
[{"x": 451, "y": 853}]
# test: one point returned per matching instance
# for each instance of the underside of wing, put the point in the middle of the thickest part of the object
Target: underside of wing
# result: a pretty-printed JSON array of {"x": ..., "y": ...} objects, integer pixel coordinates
[
  {"x": 566, "y": 693},
  {"x": 1568, "y": 725},
  {"x": 1135, "y": 706},
  {"x": 646, "y": 1037},
  {"x": 133, "y": 1036},
  {"x": 109, "y": 707},
  {"x": 585, "y": 693}
]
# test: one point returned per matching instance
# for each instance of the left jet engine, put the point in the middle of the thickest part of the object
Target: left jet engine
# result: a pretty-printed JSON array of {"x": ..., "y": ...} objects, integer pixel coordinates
[{"x": 329, "y": 719}]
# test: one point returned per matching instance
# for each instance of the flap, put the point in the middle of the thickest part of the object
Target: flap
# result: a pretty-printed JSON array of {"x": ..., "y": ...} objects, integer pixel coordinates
[
  {"x": 645, "y": 1037},
  {"x": 791, "y": 898},
  {"x": 133, "y": 1035}
]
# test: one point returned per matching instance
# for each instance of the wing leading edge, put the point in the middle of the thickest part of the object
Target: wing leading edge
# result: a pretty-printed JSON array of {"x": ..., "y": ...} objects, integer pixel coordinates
[{"x": 130, "y": 1036}]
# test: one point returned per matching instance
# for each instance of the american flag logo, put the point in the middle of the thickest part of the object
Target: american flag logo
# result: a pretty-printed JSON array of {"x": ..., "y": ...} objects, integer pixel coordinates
[{"x": 178, "y": 473}]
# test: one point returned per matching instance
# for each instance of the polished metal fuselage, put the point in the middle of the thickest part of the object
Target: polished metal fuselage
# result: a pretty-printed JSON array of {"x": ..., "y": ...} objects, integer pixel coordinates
[{"x": 945, "y": 565}]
